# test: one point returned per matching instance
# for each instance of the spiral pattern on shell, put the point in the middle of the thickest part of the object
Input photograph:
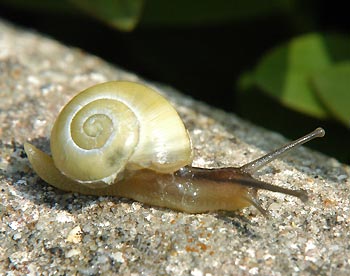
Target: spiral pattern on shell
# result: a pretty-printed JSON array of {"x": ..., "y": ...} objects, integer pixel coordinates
[{"x": 115, "y": 127}]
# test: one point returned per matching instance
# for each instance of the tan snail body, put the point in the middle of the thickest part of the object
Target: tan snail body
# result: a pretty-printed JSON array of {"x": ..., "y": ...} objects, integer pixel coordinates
[{"x": 124, "y": 139}]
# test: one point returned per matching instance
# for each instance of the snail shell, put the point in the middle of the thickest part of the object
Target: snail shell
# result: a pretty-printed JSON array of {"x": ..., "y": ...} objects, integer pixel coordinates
[{"x": 115, "y": 127}]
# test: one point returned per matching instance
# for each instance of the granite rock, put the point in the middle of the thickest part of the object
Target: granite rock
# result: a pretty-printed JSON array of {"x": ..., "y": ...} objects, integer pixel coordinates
[{"x": 45, "y": 231}]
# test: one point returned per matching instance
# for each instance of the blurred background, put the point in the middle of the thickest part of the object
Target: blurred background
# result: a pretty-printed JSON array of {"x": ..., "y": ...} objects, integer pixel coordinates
[{"x": 282, "y": 64}]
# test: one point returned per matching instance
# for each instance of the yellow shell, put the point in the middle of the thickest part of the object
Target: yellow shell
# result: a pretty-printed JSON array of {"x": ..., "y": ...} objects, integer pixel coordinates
[{"x": 115, "y": 127}]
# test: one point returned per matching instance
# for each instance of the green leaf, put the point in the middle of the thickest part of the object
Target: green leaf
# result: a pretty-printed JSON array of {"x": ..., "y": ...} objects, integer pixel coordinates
[
  {"x": 121, "y": 14},
  {"x": 333, "y": 87},
  {"x": 285, "y": 73},
  {"x": 125, "y": 14},
  {"x": 199, "y": 12}
]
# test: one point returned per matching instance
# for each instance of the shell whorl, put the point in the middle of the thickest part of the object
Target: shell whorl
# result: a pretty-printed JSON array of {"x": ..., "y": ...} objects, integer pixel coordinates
[{"x": 117, "y": 126}]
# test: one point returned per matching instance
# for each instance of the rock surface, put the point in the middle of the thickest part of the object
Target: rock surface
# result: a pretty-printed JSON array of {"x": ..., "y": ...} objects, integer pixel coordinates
[{"x": 46, "y": 231}]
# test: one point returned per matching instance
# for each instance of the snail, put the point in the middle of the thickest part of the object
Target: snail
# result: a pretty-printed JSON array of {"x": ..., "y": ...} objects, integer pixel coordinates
[{"x": 124, "y": 139}]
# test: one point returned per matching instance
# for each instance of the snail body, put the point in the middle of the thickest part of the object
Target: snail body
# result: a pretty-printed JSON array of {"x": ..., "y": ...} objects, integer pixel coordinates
[{"x": 149, "y": 160}]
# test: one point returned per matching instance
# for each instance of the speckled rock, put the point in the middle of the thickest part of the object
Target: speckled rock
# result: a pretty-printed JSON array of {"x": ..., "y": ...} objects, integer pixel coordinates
[{"x": 44, "y": 231}]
